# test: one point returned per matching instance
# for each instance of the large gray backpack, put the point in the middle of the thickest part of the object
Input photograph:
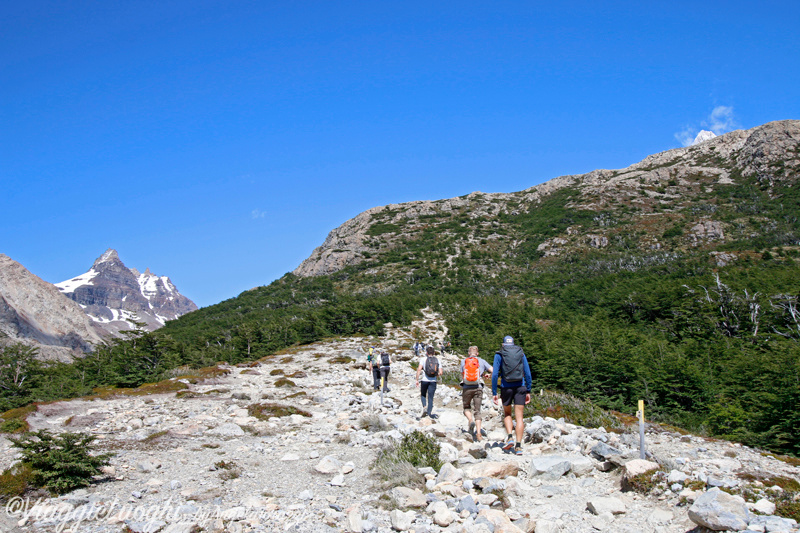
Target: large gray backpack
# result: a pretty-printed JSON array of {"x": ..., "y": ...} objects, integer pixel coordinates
[{"x": 512, "y": 361}]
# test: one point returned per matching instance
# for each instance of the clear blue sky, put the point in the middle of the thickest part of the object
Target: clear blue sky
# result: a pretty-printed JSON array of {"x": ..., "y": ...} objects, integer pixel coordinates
[{"x": 218, "y": 142}]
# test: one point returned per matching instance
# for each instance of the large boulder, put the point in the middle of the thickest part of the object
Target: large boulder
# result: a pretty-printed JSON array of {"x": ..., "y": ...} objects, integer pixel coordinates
[
  {"x": 719, "y": 511},
  {"x": 550, "y": 466}
]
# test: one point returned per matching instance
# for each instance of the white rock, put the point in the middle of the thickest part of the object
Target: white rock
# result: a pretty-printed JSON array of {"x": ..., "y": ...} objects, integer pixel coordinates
[
  {"x": 550, "y": 466},
  {"x": 402, "y": 521},
  {"x": 764, "y": 506},
  {"x": 718, "y": 510},
  {"x": 609, "y": 504},
  {"x": 329, "y": 465},
  {"x": 447, "y": 453},
  {"x": 354, "y": 523}
]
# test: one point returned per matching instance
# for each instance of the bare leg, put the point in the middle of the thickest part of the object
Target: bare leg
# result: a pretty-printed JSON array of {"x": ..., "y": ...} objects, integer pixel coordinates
[
  {"x": 507, "y": 419},
  {"x": 518, "y": 411},
  {"x": 478, "y": 429}
]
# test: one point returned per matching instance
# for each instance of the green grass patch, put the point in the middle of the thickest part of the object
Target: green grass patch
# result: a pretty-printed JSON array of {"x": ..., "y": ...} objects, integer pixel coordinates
[{"x": 265, "y": 411}]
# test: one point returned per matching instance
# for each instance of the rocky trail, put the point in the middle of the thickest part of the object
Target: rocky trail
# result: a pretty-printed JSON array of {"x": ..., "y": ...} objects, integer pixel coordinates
[{"x": 229, "y": 454}]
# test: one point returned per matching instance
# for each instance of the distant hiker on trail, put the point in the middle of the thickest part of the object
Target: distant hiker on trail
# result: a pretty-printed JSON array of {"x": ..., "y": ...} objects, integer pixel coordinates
[
  {"x": 385, "y": 362},
  {"x": 430, "y": 369},
  {"x": 374, "y": 367},
  {"x": 416, "y": 348},
  {"x": 511, "y": 366},
  {"x": 473, "y": 368}
]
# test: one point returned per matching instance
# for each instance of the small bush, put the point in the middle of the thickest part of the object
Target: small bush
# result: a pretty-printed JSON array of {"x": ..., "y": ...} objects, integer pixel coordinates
[
  {"x": 342, "y": 360},
  {"x": 14, "y": 425},
  {"x": 646, "y": 482},
  {"x": 15, "y": 481},
  {"x": 573, "y": 410},
  {"x": 276, "y": 372},
  {"x": 373, "y": 422},
  {"x": 60, "y": 463},
  {"x": 283, "y": 382},
  {"x": 265, "y": 411}
]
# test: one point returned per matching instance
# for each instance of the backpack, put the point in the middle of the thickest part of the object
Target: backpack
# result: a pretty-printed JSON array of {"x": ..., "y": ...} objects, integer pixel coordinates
[
  {"x": 431, "y": 366},
  {"x": 472, "y": 371},
  {"x": 384, "y": 359},
  {"x": 512, "y": 363}
]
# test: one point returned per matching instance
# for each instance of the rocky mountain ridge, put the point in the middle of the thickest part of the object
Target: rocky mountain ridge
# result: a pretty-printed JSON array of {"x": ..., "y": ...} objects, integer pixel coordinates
[
  {"x": 33, "y": 312},
  {"x": 115, "y": 297},
  {"x": 206, "y": 458},
  {"x": 671, "y": 188}
]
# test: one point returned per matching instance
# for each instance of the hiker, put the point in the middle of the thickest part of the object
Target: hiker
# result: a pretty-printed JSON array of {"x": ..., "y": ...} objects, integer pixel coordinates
[
  {"x": 428, "y": 370},
  {"x": 473, "y": 368},
  {"x": 385, "y": 362},
  {"x": 416, "y": 348},
  {"x": 511, "y": 366},
  {"x": 374, "y": 367}
]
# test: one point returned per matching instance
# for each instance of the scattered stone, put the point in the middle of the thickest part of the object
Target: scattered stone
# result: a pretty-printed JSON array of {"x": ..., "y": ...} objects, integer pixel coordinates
[
  {"x": 406, "y": 497},
  {"x": 495, "y": 469},
  {"x": 602, "y": 505},
  {"x": 402, "y": 521},
  {"x": 719, "y": 510},
  {"x": 550, "y": 466},
  {"x": 329, "y": 465}
]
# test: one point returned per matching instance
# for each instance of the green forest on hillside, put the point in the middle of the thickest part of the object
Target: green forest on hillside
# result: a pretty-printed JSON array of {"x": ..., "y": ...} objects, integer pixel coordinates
[{"x": 712, "y": 349}]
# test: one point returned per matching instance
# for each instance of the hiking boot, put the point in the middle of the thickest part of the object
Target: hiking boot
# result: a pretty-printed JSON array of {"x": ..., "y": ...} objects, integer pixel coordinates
[
  {"x": 471, "y": 429},
  {"x": 424, "y": 414},
  {"x": 509, "y": 443},
  {"x": 433, "y": 416},
  {"x": 518, "y": 449}
]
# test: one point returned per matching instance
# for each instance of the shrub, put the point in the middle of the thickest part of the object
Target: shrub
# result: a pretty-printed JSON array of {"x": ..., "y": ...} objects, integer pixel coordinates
[
  {"x": 373, "y": 422},
  {"x": 15, "y": 481},
  {"x": 265, "y": 411},
  {"x": 14, "y": 425},
  {"x": 283, "y": 382},
  {"x": 60, "y": 463},
  {"x": 572, "y": 409}
]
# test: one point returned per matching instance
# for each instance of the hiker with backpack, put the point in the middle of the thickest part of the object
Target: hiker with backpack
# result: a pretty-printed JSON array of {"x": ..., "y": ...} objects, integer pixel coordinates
[
  {"x": 473, "y": 369},
  {"x": 511, "y": 366},
  {"x": 428, "y": 370},
  {"x": 374, "y": 366},
  {"x": 385, "y": 363}
]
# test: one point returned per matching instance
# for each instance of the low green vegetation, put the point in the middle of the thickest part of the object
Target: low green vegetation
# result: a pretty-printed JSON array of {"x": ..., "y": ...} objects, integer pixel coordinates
[
  {"x": 58, "y": 463},
  {"x": 397, "y": 464}
]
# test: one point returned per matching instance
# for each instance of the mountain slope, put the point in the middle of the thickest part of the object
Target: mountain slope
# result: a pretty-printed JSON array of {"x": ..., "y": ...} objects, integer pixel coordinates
[
  {"x": 115, "y": 296},
  {"x": 687, "y": 198},
  {"x": 35, "y": 313}
]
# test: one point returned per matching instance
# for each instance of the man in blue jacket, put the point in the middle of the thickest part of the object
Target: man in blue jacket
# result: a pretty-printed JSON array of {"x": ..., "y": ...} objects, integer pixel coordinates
[{"x": 511, "y": 366}]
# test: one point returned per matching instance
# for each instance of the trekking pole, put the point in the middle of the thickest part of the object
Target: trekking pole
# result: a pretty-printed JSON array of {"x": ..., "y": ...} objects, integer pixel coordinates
[
  {"x": 382, "y": 391},
  {"x": 640, "y": 414}
]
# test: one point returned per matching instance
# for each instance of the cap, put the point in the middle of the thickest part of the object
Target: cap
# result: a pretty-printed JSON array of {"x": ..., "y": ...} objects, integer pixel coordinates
[{"x": 508, "y": 339}]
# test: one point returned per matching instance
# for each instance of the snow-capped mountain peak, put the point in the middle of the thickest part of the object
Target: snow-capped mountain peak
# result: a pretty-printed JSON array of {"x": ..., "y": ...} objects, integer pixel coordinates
[
  {"x": 116, "y": 296},
  {"x": 703, "y": 136}
]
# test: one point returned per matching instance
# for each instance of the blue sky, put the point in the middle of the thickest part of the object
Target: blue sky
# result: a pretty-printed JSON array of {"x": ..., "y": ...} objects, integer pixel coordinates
[{"x": 218, "y": 142}]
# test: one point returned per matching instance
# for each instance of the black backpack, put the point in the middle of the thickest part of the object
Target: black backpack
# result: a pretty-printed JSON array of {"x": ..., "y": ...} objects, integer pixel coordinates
[
  {"x": 431, "y": 366},
  {"x": 384, "y": 359},
  {"x": 512, "y": 357}
]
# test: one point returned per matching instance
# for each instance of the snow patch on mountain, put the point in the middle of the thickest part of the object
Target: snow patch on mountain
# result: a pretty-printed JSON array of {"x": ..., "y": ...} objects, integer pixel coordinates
[{"x": 117, "y": 297}]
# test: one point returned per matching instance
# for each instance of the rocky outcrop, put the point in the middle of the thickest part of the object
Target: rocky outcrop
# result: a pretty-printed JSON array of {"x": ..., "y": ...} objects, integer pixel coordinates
[
  {"x": 35, "y": 313},
  {"x": 661, "y": 181},
  {"x": 115, "y": 296}
]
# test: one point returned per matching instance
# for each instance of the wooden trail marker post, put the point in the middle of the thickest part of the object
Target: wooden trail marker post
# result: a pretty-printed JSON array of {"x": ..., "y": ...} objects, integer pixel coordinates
[{"x": 640, "y": 414}]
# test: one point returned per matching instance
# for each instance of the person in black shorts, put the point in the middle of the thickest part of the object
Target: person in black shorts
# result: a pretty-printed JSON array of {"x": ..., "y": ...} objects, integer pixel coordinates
[{"x": 511, "y": 367}]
